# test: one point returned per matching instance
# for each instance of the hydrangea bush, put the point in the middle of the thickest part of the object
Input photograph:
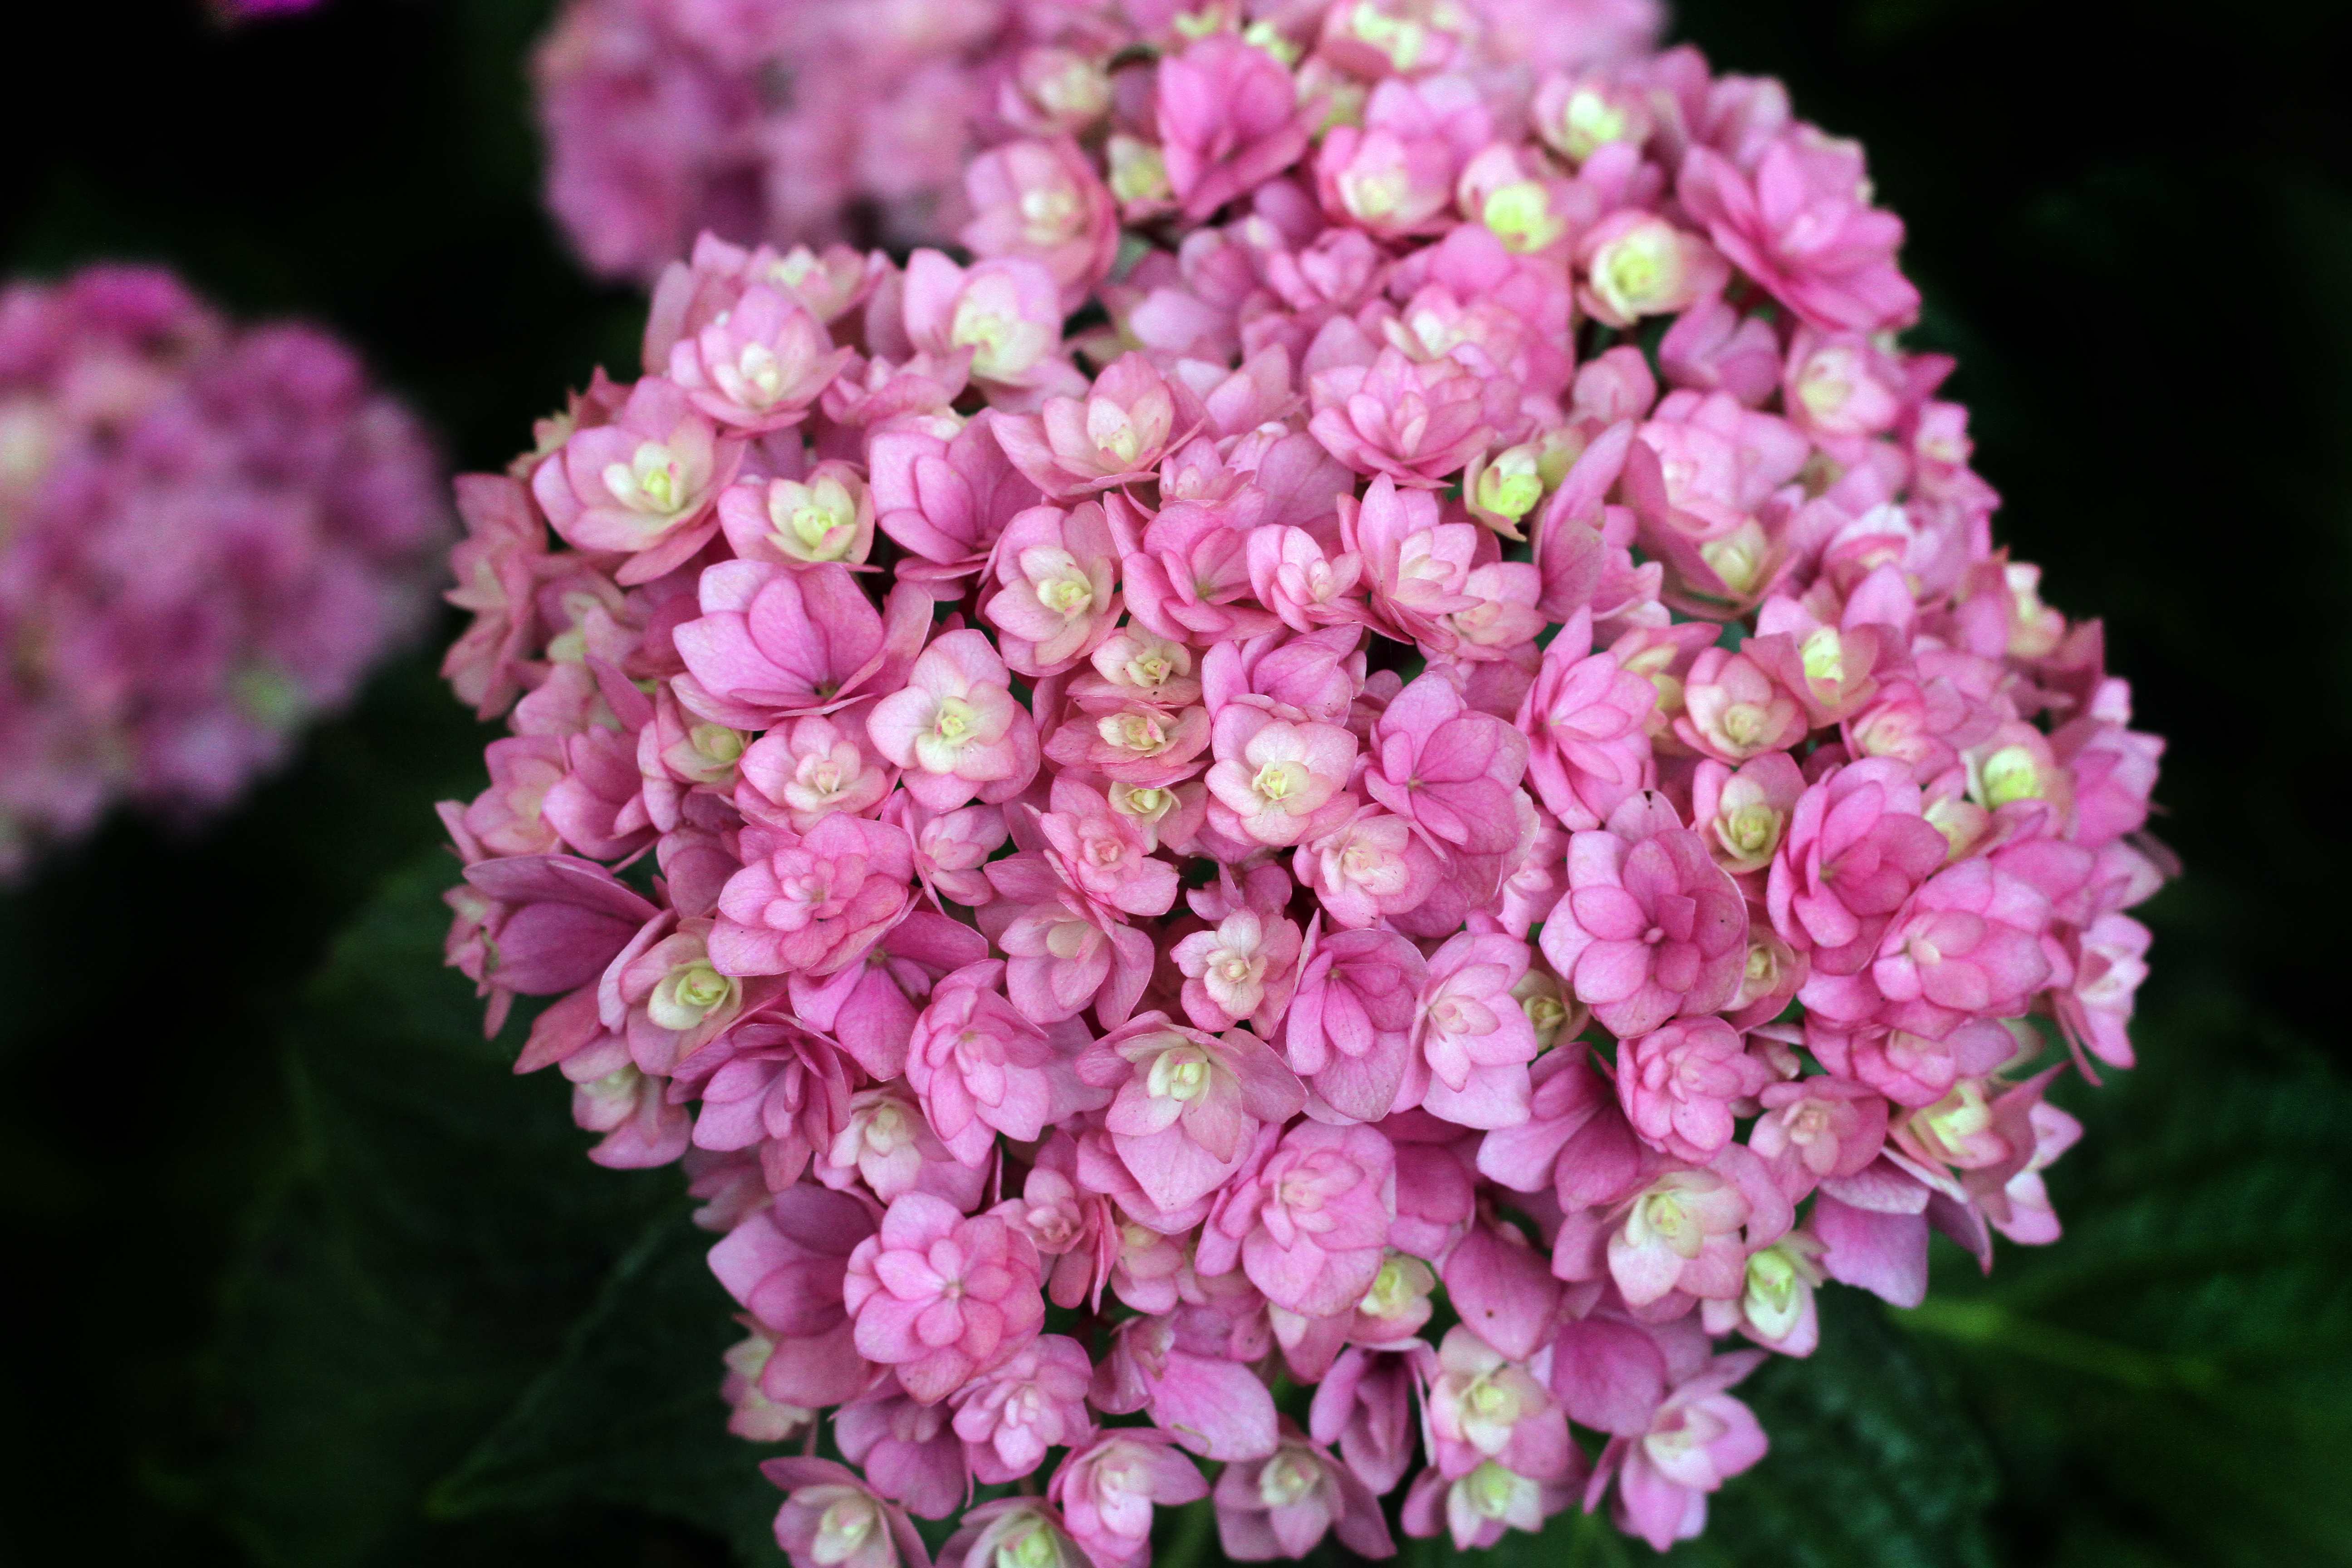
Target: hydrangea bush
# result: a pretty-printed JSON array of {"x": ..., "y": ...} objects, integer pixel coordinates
[
  {"x": 1327, "y": 826},
  {"x": 208, "y": 535}
]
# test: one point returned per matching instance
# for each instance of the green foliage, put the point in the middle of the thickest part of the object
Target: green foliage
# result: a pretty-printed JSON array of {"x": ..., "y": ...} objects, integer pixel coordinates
[
  {"x": 422, "y": 1278},
  {"x": 2172, "y": 1383},
  {"x": 626, "y": 1412}
]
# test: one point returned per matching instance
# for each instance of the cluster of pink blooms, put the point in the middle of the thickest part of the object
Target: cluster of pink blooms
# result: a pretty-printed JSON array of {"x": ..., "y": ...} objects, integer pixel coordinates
[
  {"x": 812, "y": 121},
  {"x": 1382, "y": 754},
  {"x": 208, "y": 535}
]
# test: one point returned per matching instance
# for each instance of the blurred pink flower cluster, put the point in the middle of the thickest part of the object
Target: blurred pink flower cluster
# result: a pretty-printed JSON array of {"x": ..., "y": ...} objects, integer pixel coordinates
[
  {"x": 1449, "y": 801},
  {"x": 811, "y": 121},
  {"x": 208, "y": 536}
]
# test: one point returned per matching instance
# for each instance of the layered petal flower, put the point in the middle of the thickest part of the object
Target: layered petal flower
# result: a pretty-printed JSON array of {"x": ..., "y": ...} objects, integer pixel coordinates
[
  {"x": 1649, "y": 929},
  {"x": 939, "y": 1297}
]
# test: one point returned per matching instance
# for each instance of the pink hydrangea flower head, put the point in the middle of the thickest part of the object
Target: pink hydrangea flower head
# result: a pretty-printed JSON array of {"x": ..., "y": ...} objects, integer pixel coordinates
[
  {"x": 1104, "y": 853},
  {"x": 1043, "y": 200},
  {"x": 756, "y": 1417},
  {"x": 951, "y": 848},
  {"x": 1447, "y": 768},
  {"x": 1244, "y": 969},
  {"x": 1116, "y": 435},
  {"x": 781, "y": 1089},
  {"x": 1372, "y": 866},
  {"x": 944, "y": 498},
  {"x": 1683, "y": 1232},
  {"x": 758, "y": 367},
  {"x": 1011, "y": 1529},
  {"x": 1396, "y": 175},
  {"x": 1073, "y": 1226},
  {"x": 1483, "y": 1407},
  {"x": 1303, "y": 584},
  {"x": 1841, "y": 384},
  {"x": 888, "y": 1143},
  {"x": 1434, "y": 658},
  {"x": 1063, "y": 950},
  {"x": 1968, "y": 945},
  {"x": 1417, "y": 565},
  {"x": 1055, "y": 90},
  {"x": 1577, "y": 116},
  {"x": 1743, "y": 813},
  {"x": 1350, "y": 1031},
  {"x": 1472, "y": 1038},
  {"x": 211, "y": 533},
  {"x": 1476, "y": 1509},
  {"x": 802, "y": 771},
  {"x": 1637, "y": 264},
  {"x": 1734, "y": 710},
  {"x": 773, "y": 641},
  {"x": 2110, "y": 960},
  {"x": 1586, "y": 716},
  {"x": 1417, "y": 423},
  {"x": 941, "y": 1298},
  {"x": 1814, "y": 1128}
]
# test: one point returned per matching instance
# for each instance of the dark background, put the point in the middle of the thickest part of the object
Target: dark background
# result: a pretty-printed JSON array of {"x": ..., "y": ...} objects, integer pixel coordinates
[{"x": 293, "y": 1273}]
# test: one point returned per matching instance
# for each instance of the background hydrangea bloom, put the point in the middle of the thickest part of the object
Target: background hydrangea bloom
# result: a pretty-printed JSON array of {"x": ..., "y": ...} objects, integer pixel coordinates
[
  {"x": 665, "y": 117},
  {"x": 208, "y": 535}
]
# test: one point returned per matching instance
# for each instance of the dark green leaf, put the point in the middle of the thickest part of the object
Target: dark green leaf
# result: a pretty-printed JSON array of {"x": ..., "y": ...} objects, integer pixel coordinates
[
  {"x": 430, "y": 1259},
  {"x": 2189, "y": 1343},
  {"x": 628, "y": 1412}
]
